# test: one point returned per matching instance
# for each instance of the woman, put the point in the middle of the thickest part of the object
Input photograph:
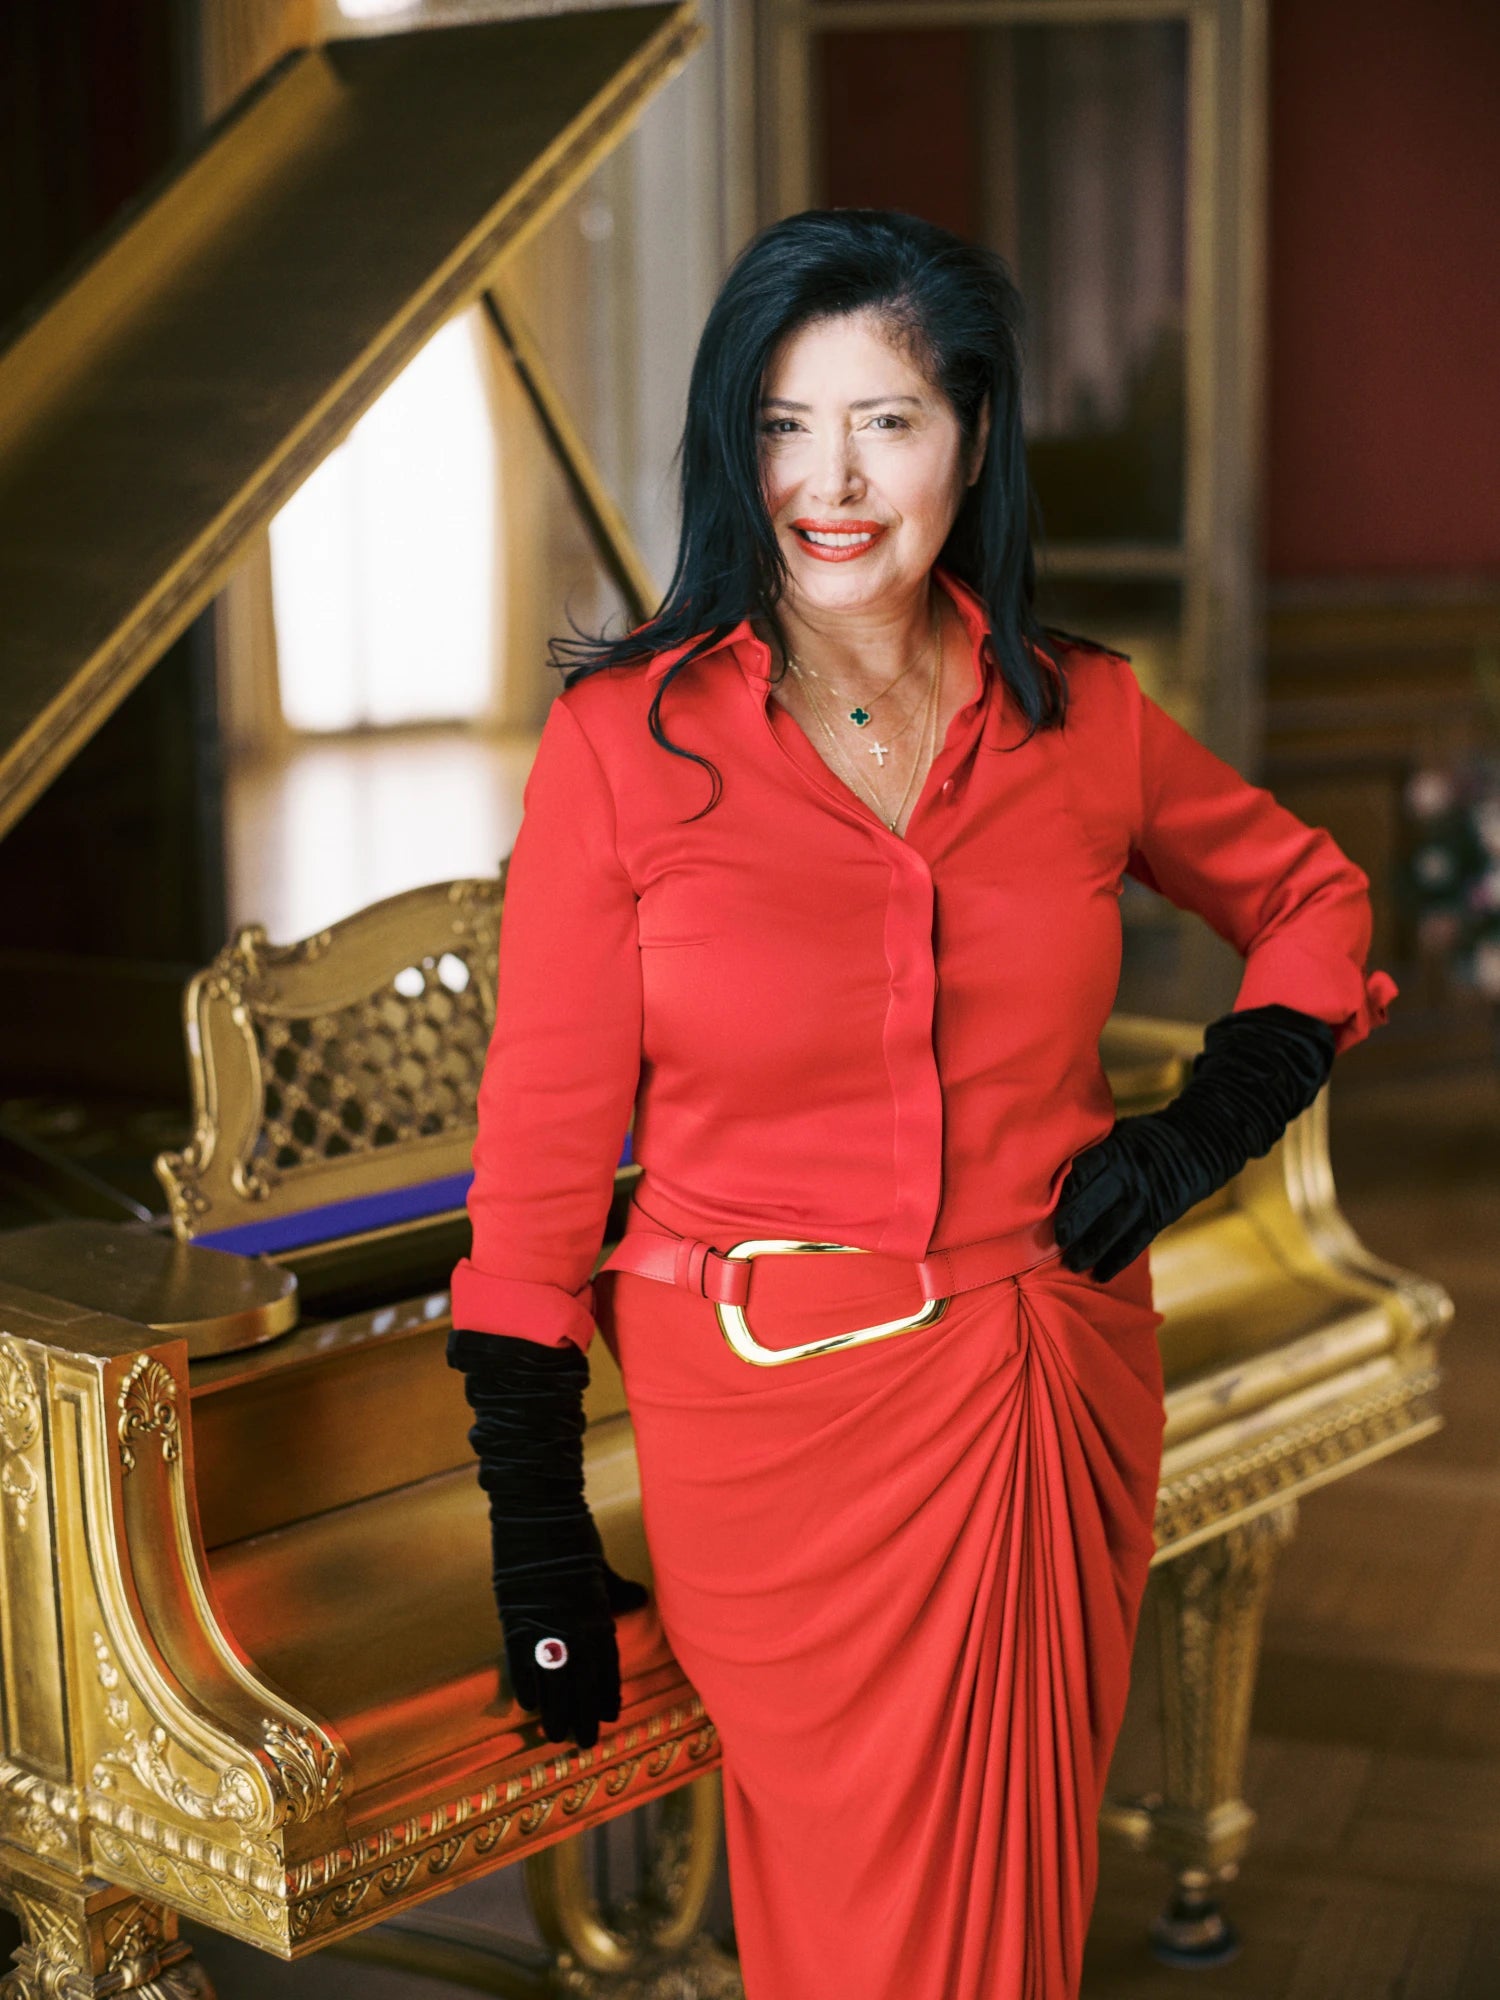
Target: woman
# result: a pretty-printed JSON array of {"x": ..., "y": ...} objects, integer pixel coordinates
[{"x": 819, "y": 874}]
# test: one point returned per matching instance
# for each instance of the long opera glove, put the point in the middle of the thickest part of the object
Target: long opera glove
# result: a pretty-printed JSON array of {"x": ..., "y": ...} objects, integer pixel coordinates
[
  {"x": 1257, "y": 1070},
  {"x": 550, "y": 1575}
]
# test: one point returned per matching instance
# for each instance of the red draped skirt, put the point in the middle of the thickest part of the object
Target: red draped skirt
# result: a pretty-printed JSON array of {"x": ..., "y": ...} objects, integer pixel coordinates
[{"x": 905, "y": 1579}]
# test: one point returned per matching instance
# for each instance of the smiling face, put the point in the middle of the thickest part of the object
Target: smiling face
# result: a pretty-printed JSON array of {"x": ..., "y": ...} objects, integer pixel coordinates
[{"x": 863, "y": 466}]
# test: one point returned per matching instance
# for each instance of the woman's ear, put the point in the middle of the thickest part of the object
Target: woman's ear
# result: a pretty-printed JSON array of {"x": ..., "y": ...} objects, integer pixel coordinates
[{"x": 981, "y": 440}]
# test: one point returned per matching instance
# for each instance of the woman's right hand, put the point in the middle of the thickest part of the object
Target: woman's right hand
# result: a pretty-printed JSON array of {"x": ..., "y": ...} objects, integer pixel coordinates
[
  {"x": 556, "y": 1593},
  {"x": 579, "y": 1609}
]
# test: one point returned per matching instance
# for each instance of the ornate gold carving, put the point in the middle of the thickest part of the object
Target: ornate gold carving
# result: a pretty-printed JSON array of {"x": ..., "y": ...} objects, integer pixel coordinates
[
  {"x": 456, "y": 1837},
  {"x": 148, "y": 1408},
  {"x": 621, "y": 1777},
  {"x": 661, "y": 1761},
  {"x": 147, "y": 1757},
  {"x": 1209, "y": 1606},
  {"x": 309, "y": 1775},
  {"x": 348, "y": 1899},
  {"x": 142, "y": 1954},
  {"x": 55, "y": 1958},
  {"x": 133, "y": 1935},
  {"x": 1294, "y": 1456},
  {"x": 395, "y": 1879},
  {"x": 35, "y": 1815},
  {"x": 442, "y": 1857},
  {"x": 317, "y": 1060},
  {"x": 135, "y": 1942},
  {"x": 38, "y": 1828},
  {"x": 577, "y": 1796},
  {"x": 20, "y": 1427},
  {"x": 217, "y": 1895},
  {"x": 702, "y": 1743}
]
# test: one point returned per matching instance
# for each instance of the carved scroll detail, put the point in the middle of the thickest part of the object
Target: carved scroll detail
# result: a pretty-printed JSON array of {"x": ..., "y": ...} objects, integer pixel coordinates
[
  {"x": 1232, "y": 1483},
  {"x": 148, "y": 1758},
  {"x": 454, "y": 1838},
  {"x": 20, "y": 1427},
  {"x": 76, "y": 1952},
  {"x": 218, "y": 1895},
  {"x": 34, "y": 1814},
  {"x": 54, "y": 1955},
  {"x": 310, "y": 1777},
  {"x": 148, "y": 1408}
]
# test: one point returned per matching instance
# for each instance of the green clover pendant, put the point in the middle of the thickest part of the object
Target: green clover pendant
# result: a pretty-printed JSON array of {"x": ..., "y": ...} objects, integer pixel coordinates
[{"x": 859, "y": 717}]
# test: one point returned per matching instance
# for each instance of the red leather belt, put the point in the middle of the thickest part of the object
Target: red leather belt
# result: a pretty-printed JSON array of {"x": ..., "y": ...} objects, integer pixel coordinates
[{"x": 819, "y": 1282}]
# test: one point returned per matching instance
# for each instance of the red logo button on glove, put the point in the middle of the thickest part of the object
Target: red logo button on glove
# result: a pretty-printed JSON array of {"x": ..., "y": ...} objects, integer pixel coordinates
[{"x": 551, "y": 1653}]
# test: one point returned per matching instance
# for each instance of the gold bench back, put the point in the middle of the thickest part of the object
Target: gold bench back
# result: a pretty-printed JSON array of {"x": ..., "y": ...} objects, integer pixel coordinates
[{"x": 347, "y": 1064}]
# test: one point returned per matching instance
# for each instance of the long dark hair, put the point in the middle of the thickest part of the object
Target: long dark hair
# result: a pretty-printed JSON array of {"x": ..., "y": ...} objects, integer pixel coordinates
[{"x": 954, "y": 303}]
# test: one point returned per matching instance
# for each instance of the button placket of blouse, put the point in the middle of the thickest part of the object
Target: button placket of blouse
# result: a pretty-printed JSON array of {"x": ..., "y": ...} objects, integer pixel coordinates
[
  {"x": 910, "y": 1018},
  {"x": 911, "y": 1052}
]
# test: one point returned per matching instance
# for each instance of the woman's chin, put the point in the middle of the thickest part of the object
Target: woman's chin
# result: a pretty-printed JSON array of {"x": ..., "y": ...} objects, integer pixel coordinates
[{"x": 861, "y": 585}]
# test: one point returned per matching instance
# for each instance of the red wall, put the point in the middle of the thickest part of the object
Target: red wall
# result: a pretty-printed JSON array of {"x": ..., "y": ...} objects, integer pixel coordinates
[
  {"x": 898, "y": 124},
  {"x": 1384, "y": 334}
]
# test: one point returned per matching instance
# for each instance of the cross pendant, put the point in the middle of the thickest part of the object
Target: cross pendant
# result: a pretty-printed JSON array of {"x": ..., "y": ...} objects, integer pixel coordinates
[{"x": 880, "y": 751}]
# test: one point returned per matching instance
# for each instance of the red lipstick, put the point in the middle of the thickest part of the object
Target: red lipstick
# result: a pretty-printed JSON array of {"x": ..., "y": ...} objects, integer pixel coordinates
[{"x": 838, "y": 541}]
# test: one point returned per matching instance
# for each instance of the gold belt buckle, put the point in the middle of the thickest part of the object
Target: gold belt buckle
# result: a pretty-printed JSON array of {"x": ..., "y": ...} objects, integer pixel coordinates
[{"x": 736, "y": 1328}]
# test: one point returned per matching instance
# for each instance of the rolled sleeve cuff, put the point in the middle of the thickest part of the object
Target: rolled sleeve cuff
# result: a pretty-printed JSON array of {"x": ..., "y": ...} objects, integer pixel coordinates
[
  {"x": 484, "y": 1303},
  {"x": 1331, "y": 989}
]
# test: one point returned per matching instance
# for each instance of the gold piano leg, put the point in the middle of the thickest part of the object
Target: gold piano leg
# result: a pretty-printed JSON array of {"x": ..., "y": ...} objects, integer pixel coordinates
[
  {"x": 86, "y": 1940},
  {"x": 650, "y": 1941},
  {"x": 1209, "y": 1605}
]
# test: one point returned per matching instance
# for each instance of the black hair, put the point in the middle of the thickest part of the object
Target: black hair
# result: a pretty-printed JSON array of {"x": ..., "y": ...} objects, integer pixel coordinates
[{"x": 955, "y": 306}]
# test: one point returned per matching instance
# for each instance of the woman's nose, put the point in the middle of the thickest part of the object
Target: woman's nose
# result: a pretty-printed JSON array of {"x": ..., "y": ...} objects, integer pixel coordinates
[{"x": 837, "y": 476}]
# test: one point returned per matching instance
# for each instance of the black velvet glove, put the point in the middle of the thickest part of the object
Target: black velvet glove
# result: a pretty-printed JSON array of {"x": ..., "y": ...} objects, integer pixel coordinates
[
  {"x": 1257, "y": 1069},
  {"x": 550, "y": 1574}
]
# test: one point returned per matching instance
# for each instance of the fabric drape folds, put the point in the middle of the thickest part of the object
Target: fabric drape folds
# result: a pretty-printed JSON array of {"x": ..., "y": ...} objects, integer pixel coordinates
[{"x": 905, "y": 1580}]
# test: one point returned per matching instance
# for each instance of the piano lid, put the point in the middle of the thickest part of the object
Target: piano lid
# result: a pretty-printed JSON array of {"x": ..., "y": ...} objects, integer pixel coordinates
[{"x": 216, "y": 349}]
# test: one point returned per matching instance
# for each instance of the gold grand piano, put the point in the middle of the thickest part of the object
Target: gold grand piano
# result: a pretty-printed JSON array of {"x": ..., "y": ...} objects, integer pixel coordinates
[{"x": 248, "y": 1655}]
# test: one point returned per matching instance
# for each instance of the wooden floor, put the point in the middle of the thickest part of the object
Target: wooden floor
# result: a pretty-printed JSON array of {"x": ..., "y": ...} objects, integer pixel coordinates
[
  {"x": 1375, "y": 1759},
  {"x": 1375, "y": 1763}
]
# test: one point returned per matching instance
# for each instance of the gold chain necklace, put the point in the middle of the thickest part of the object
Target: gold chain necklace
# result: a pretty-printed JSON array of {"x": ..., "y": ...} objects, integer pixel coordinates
[
  {"x": 861, "y": 713},
  {"x": 929, "y": 728},
  {"x": 878, "y": 749}
]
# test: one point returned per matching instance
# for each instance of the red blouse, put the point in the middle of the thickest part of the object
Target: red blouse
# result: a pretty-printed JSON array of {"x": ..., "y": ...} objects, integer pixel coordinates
[{"x": 826, "y": 1029}]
